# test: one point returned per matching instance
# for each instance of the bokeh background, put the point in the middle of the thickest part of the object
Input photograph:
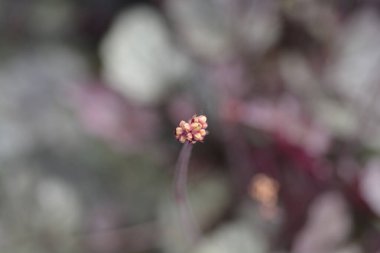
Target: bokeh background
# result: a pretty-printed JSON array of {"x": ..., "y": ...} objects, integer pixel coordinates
[{"x": 91, "y": 92}]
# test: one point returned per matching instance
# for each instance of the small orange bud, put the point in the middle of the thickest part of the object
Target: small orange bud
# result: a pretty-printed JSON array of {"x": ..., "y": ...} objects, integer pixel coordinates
[
  {"x": 182, "y": 139},
  {"x": 186, "y": 127},
  {"x": 203, "y": 132},
  {"x": 198, "y": 137},
  {"x": 196, "y": 126},
  {"x": 202, "y": 119},
  {"x": 178, "y": 131},
  {"x": 182, "y": 123}
]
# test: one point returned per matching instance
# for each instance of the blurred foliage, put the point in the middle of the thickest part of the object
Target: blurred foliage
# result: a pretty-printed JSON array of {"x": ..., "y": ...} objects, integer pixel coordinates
[{"x": 91, "y": 92}]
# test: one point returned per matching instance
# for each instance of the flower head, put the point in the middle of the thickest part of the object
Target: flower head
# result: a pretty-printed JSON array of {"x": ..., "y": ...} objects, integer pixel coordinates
[{"x": 194, "y": 130}]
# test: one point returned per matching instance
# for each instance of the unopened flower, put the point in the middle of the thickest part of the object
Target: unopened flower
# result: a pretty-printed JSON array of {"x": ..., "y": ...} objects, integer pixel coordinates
[{"x": 192, "y": 131}]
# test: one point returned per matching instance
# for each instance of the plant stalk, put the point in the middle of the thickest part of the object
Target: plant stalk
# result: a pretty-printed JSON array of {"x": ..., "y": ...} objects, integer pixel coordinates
[{"x": 189, "y": 228}]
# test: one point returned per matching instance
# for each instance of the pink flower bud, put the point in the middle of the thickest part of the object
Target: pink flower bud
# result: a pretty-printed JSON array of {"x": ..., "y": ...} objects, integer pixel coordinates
[{"x": 192, "y": 131}]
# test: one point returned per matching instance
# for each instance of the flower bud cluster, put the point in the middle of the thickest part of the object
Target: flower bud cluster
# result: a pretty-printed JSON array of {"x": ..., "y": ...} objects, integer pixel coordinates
[{"x": 192, "y": 131}]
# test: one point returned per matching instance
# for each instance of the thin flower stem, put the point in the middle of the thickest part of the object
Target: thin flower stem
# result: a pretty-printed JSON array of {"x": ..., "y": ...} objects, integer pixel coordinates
[{"x": 190, "y": 229}]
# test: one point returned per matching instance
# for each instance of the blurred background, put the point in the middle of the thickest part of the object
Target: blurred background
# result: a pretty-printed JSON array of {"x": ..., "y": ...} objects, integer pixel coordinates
[{"x": 91, "y": 92}]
